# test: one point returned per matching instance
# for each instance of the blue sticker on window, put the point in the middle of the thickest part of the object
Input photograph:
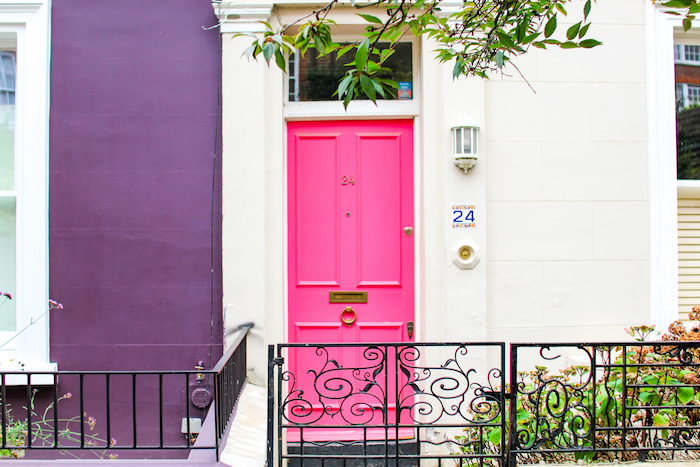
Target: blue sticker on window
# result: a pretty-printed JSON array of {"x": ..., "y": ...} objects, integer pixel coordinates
[{"x": 405, "y": 90}]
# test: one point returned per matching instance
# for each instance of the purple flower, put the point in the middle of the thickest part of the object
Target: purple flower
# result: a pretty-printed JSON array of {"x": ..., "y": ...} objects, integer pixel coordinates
[
  {"x": 55, "y": 304},
  {"x": 7, "y": 294}
]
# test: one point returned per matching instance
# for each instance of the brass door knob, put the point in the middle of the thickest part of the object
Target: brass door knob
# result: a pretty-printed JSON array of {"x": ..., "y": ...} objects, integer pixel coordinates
[{"x": 408, "y": 230}]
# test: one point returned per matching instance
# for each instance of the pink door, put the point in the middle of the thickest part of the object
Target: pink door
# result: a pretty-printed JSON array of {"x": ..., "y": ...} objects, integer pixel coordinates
[{"x": 351, "y": 247}]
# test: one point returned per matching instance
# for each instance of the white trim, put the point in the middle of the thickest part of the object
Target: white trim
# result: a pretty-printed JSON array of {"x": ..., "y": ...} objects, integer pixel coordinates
[
  {"x": 31, "y": 22},
  {"x": 356, "y": 109},
  {"x": 663, "y": 201},
  {"x": 688, "y": 183},
  {"x": 241, "y": 17}
]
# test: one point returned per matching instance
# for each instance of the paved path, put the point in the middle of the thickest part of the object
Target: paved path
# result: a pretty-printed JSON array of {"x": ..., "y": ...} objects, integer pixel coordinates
[{"x": 247, "y": 440}]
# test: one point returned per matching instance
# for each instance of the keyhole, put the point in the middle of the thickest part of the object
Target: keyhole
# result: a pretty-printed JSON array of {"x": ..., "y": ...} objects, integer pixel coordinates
[{"x": 347, "y": 214}]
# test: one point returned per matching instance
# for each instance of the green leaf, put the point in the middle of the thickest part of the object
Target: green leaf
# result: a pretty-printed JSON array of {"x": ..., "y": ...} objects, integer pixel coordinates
[
  {"x": 650, "y": 379},
  {"x": 685, "y": 394},
  {"x": 583, "y": 30},
  {"x": 568, "y": 45},
  {"x": 687, "y": 24},
  {"x": 539, "y": 45},
  {"x": 368, "y": 87},
  {"x": 348, "y": 96},
  {"x": 268, "y": 51},
  {"x": 378, "y": 87},
  {"x": 677, "y": 3},
  {"x": 521, "y": 31},
  {"x": 499, "y": 59},
  {"x": 661, "y": 420},
  {"x": 342, "y": 51},
  {"x": 281, "y": 62},
  {"x": 530, "y": 38},
  {"x": 495, "y": 436},
  {"x": 371, "y": 19},
  {"x": 551, "y": 26},
  {"x": 250, "y": 50},
  {"x": 457, "y": 70},
  {"x": 590, "y": 43},
  {"x": 646, "y": 396},
  {"x": 572, "y": 32},
  {"x": 361, "y": 55},
  {"x": 343, "y": 86},
  {"x": 586, "y": 9},
  {"x": 694, "y": 8},
  {"x": 560, "y": 7},
  {"x": 505, "y": 39},
  {"x": 389, "y": 83}
]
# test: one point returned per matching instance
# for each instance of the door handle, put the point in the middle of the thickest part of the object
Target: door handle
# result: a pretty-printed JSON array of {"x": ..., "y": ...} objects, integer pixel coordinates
[
  {"x": 409, "y": 328},
  {"x": 348, "y": 320}
]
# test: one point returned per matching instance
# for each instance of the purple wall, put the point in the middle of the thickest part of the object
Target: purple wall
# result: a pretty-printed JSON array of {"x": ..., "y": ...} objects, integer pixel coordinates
[{"x": 134, "y": 191}]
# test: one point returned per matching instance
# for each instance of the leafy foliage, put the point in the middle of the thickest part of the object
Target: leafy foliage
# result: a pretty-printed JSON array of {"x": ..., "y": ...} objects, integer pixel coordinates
[
  {"x": 643, "y": 400},
  {"x": 44, "y": 434},
  {"x": 482, "y": 37}
]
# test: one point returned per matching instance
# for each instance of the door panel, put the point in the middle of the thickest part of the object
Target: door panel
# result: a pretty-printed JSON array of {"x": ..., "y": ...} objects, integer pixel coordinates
[
  {"x": 379, "y": 198},
  {"x": 317, "y": 232},
  {"x": 350, "y": 196}
]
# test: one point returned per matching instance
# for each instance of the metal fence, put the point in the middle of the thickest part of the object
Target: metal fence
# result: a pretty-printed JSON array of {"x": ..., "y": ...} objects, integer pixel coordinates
[
  {"x": 628, "y": 400},
  {"x": 457, "y": 404},
  {"x": 386, "y": 404},
  {"x": 105, "y": 413}
]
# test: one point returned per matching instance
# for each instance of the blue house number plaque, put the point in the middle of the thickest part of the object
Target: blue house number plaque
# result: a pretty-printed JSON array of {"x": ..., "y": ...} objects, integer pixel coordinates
[{"x": 463, "y": 216}]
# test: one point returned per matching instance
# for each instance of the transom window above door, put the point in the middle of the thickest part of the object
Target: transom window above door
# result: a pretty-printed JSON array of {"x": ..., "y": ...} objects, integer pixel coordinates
[{"x": 315, "y": 78}]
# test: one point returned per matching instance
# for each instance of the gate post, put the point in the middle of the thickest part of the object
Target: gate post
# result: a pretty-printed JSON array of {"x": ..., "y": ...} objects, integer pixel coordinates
[
  {"x": 270, "y": 403},
  {"x": 513, "y": 407}
]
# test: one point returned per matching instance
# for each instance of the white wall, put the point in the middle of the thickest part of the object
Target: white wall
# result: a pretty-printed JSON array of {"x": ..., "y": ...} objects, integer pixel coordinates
[{"x": 567, "y": 187}]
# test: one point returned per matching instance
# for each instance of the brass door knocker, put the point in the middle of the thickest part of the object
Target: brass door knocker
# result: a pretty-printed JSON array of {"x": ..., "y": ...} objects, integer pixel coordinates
[{"x": 348, "y": 320}]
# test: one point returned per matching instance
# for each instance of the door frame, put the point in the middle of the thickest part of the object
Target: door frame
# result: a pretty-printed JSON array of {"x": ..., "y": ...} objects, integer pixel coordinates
[{"x": 418, "y": 275}]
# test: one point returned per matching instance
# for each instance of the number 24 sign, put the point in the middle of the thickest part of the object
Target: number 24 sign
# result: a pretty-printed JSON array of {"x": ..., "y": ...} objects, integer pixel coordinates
[{"x": 463, "y": 216}]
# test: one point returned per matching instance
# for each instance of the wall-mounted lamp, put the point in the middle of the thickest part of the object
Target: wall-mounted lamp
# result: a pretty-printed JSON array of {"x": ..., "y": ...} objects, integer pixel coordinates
[{"x": 465, "y": 135}]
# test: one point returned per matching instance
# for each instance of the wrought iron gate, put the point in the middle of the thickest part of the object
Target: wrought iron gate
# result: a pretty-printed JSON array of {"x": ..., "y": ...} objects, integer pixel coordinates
[{"x": 402, "y": 405}]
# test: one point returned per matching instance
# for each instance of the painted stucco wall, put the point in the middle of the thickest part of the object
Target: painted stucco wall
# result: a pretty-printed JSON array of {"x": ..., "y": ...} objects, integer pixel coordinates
[
  {"x": 134, "y": 185},
  {"x": 567, "y": 187},
  {"x": 561, "y": 190}
]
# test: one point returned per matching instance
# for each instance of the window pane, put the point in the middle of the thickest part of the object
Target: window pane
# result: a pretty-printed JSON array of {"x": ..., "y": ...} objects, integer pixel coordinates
[
  {"x": 318, "y": 77},
  {"x": 692, "y": 53},
  {"x": 7, "y": 262},
  {"x": 8, "y": 44},
  {"x": 467, "y": 140}
]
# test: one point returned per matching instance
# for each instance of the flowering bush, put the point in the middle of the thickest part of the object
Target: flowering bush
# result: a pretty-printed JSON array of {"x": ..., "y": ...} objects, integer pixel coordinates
[
  {"x": 44, "y": 432},
  {"x": 43, "y": 429},
  {"x": 645, "y": 399}
]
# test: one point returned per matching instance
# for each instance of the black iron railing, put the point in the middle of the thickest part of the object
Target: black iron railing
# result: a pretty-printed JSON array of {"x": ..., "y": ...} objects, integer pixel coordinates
[
  {"x": 110, "y": 412},
  {"x": 348, "y": 405},
  {"x": 610, "y": 400},
  {"x": 387, "y": 404}
]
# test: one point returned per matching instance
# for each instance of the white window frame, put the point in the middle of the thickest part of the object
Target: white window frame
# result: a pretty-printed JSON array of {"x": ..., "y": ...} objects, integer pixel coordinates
[
  {"x": 383, "y": 108},
  {"x": 680, "y": 55},
  {"x": 663, "y": 184},
  {"x": 31, "y": 22},
  {"x": 684, "y": 89}
]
